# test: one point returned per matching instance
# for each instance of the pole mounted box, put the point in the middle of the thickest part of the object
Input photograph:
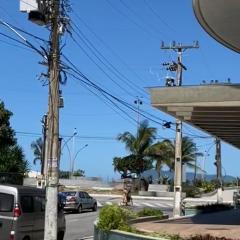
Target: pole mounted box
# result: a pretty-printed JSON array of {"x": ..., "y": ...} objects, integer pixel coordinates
[
  {"x": 29, "y": 5},
  {"x": 36, "y": 10}
]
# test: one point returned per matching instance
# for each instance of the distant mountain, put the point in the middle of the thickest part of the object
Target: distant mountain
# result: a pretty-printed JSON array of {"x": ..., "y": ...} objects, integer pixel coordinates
[{"x": 189, "y": 175}]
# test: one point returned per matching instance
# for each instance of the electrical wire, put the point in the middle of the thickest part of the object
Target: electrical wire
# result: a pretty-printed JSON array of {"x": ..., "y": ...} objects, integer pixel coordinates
[
  {"x": 125, "y": 104},
  {"x": 102, "y": 99},
  {"x": 110, "y": 49},
  {"x": 101, "y": 68},
  {"x": 104, "y": 93},
  {"x": 109, "y": 65},
  {"x": 155, "y": 13},
  {"x": 118, "y": 84},
  {"x": 15, "y": 45},
  {"x": 22, "y": 38},
  {"x": 125, "y": 16},
  {"x": 14, "y": 39},
  {"x": 139, "y": 17},
  {"x": 29, "y": 34}
]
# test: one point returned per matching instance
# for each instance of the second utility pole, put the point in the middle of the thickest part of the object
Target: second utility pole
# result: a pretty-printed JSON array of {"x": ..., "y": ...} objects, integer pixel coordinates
[
  {"x": 51, "y": 212},
  {"x": 219, "y": 170},
  {"x": 178, "y": 142}
]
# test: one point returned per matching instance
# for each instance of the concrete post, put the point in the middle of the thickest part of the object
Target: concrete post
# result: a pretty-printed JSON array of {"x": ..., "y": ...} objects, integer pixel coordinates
[
  {"x": 51, "y": 211},
  {"x": 219, "y": 170},
  {"x": 178, "y": 170}
]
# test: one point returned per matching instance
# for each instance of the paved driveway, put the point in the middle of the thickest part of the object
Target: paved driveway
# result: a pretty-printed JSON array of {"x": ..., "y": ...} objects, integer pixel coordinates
[{"x": 220, "y": 224}]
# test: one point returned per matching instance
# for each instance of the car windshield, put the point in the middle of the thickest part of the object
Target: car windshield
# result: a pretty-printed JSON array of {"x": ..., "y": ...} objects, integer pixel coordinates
[{"x": 69, "y": 193}]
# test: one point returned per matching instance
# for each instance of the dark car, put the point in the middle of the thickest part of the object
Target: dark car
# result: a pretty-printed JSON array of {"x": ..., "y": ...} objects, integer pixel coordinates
[
  {"x": 78, "y": 201},
  {"x": 61, "y": 200}
]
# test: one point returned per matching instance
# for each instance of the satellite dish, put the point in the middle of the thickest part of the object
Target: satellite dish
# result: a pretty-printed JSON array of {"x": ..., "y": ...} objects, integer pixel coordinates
[{"x": 220, "y": 19}]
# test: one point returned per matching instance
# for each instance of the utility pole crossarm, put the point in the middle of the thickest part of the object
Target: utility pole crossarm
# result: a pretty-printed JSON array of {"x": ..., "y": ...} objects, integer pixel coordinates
[{"x": 178, "y": 46}]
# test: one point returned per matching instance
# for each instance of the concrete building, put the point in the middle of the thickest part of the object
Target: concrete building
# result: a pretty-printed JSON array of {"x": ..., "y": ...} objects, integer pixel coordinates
[{"x": 213, "y": 108}]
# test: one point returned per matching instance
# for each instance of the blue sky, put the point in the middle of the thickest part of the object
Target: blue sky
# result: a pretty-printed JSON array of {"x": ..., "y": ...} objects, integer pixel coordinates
[{"x": 128, "y": 34}]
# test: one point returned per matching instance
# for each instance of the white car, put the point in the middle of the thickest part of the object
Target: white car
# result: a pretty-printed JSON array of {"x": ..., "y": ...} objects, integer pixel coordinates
[{"x": 78, "y": 201}]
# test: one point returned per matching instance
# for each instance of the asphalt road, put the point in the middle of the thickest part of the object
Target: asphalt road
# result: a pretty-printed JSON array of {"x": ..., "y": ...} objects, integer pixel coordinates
[{"x": 80, "y": 225}]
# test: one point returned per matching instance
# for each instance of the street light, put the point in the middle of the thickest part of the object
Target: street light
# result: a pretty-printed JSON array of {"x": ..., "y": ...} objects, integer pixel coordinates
[
  {"x": 73, "y": 160},
  {"x": 138, "y": 102},
  {"x": 69, "y": 152}
]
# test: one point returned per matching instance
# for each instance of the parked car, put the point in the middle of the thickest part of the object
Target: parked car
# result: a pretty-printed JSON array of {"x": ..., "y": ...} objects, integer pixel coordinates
[
  {"x": 79, "y": 201},
  {"x": 22, "y": 213},
  {"x": 61, "y": 200}
]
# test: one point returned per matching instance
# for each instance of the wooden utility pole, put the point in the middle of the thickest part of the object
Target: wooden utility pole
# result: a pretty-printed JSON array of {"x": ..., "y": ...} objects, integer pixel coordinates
[
  {"x": 178, "y": 67},
  {"x": 51, "y": 211}
]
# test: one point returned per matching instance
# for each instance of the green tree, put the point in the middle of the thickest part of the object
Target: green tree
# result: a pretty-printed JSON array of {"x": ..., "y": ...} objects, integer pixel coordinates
[
  {"x": 37, "y": 147},
  {"x": 79, "y": 173},
  {"x": 161, "y": 154},
  {"x": 190, "y": 153},
  {"x": 13, "y": 164},
  {"x": 138, "y": 146}
]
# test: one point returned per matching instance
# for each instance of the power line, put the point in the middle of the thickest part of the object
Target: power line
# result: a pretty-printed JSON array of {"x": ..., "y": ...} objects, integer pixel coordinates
[
  {"x": 125, "y": 16},
  {"x": 29, "y": 34},
  {"x": 155, "y": 13},
  {"x": 111, "y": 50},
  {"x": 101, "y": 68},
  {"x": 137, "y": 15},
  {"x": 132, "y": 107},
  {"x": 80, "y": 81},
  {"x": 110, "y": 66},
  {"x": 15, "y": 45},
  {"x": 21, "y": 37},
  {"x": 34, "y": 134},
  {"x": 15, "y": 40}
]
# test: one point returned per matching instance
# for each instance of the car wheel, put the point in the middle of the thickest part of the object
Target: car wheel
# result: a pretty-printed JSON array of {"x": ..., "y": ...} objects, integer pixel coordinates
[
  {"x": 94, "y": 207},
  {"x": 79, "y": 208}
]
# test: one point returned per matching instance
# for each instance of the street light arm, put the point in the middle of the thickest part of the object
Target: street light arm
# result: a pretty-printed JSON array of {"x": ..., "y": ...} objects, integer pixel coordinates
[
  {"x": 79, "y": 151},
  {"x": 66, "y": 142}
]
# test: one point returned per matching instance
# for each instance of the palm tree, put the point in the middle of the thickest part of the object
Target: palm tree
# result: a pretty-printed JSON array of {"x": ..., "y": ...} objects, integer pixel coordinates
[
  {"x": 160, "y": 153},
  {"x": 138, "y": 146},
  {"x": 189, "y": 153},
  {"x": 37, "y": 147}
]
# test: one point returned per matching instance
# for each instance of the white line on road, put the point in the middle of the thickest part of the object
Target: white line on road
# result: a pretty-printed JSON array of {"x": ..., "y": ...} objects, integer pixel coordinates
[
  {"x": 164, "y": 204},
  {"x": 148, "y": 204}
]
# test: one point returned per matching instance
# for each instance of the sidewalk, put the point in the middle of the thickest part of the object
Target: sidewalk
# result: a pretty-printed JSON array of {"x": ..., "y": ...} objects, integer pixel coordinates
[{"x": 220, "y": 224}]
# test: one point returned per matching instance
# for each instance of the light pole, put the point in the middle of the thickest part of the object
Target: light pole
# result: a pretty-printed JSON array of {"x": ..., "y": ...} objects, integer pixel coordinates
[
  {"x": 73, "y": 151},
  {"x": 70, "y": 154},
  {"x": 73, "y": 160},
  {"x": 138, "y": 102}
]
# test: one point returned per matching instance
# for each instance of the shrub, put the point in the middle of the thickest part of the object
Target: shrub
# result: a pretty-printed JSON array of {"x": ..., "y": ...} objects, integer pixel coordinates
[
  {"x": 191, "y": 191},
  {"x": 165, "y": 236},
  {"x": 114, "y": 217},
  {"x": 207, "y": 237},
  {"x": 147, "y": 211}
]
